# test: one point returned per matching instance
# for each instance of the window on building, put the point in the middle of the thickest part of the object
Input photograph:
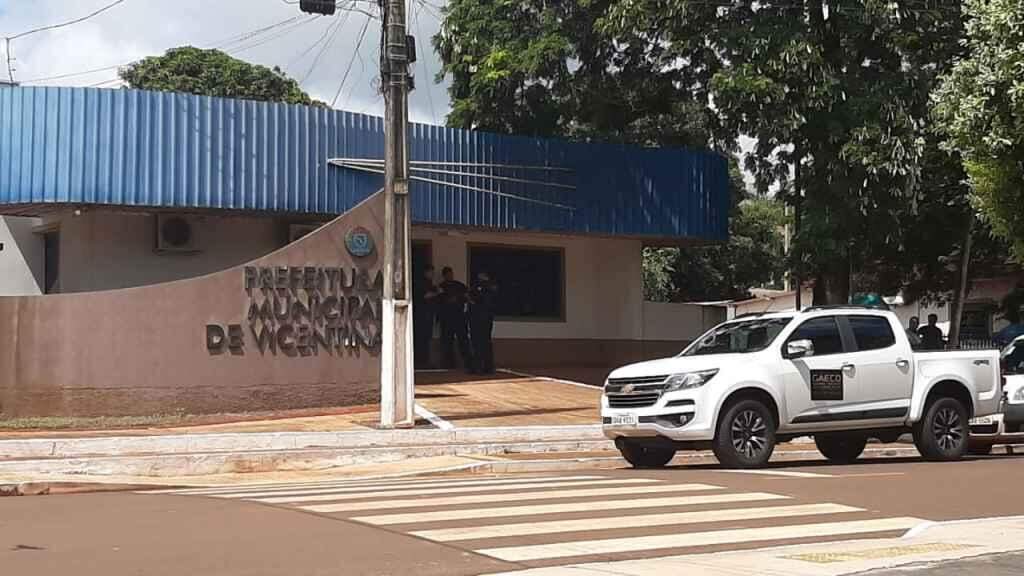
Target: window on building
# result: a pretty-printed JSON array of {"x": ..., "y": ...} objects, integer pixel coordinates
[
  {"x": 51, "y": 262},
  {"x": 823, "y": 332},
  {"x": 871, "y": 332},
  {"x": 531, "y": 281}
]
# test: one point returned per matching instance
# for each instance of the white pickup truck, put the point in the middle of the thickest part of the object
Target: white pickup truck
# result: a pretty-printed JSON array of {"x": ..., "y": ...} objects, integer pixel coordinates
[{"x": 842, "y": 375}]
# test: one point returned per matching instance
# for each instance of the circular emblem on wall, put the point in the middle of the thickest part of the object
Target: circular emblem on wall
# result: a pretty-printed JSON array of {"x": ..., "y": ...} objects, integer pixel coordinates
[{"x": 358, "y": 242}]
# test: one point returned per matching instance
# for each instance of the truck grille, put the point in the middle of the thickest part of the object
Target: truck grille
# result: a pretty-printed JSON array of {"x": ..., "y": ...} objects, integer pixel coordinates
[{"x": 634, "y": 392}]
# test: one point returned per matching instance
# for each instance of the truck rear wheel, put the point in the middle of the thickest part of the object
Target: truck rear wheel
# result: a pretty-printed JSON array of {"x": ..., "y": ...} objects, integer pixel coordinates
[
  {"x": 643, "y": 455},
  {"x": 746, "y": 435},
  {"x": 840, "y": 448},
  {"x": 942, "y": 433}
]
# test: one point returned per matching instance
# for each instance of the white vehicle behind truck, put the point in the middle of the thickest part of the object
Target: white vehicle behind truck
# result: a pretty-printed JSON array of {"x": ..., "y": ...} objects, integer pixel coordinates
[{"x": 842, "y": 375}]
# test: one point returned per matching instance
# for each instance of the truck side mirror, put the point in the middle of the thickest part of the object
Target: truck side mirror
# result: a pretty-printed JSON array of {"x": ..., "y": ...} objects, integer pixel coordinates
[{"x": 799, "y": 349}]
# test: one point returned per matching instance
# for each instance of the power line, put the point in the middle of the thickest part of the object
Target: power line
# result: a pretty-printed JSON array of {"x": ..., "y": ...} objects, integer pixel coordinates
[
  {"x": 326, "y": 45},
  {"x": 359, "y": 45},
  {"x": 68, "y": 23},
  {"x": 219, "y": 44}
]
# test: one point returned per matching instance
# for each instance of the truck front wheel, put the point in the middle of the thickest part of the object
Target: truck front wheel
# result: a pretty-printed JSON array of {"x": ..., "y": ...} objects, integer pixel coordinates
[
  {"x": 746, "y": 435},
  {"x": 942, "y": 433},
  {"x": 644, "y": 455},
  {"x": 840, "y": 448}
]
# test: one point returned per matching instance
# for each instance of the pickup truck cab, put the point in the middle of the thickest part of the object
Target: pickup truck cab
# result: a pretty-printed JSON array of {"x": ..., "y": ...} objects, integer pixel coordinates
[{"x": 842, "y": 375}]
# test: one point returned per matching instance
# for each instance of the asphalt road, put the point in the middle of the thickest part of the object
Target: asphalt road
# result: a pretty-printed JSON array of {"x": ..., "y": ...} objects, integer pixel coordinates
[{"x": 485, "y": 524}]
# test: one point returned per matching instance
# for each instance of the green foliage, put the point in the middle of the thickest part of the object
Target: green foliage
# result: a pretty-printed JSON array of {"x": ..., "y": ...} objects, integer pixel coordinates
[
  {"x": 980, "y": 106},
  {"x": 842, "y": 88},
  {"x": 213, "y": 73},
  {"x": 752, "y": 257},
  {"x": 542, "y": 68}
]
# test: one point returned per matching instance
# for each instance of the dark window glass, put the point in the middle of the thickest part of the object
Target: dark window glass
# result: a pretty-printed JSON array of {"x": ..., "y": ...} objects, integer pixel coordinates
[
  {"x": 823, "y": 332},
  {"x": 1013, "y": 358},
  {"x": 51, "y": 262},
  {"x": 530, "y": 281},
  {"x": 872, "y": 332}
]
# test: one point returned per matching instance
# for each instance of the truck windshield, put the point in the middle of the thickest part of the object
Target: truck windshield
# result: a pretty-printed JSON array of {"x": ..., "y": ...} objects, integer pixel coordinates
[{"x": 738, "y": 337}]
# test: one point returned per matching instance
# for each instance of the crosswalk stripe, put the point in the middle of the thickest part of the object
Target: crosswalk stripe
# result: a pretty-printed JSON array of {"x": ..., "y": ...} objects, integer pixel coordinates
[
  {"x": 644, "y": 521},
  {"x": 519, "y": 496},
  {"x": 343, "y": 488},
  {"x": 693, "y": 539},
  {"x": 355, "y": 483},
  {"x": 347, "y": 495},
  {"x": 537, "y": 510}
]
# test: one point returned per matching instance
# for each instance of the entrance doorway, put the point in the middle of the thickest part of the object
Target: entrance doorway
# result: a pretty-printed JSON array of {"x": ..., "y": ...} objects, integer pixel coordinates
[{"x": 423, "y": 316}]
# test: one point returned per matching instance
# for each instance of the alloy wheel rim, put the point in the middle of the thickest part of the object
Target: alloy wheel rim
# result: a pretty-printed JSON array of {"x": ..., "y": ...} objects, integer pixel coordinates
[
  {"x": 749, "y": 434},
  {"x": 948, "y": 429}
]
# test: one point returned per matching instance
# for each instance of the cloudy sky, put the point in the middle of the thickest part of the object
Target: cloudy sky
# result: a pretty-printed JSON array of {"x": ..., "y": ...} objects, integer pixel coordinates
[{"x": 137, "y": 28}]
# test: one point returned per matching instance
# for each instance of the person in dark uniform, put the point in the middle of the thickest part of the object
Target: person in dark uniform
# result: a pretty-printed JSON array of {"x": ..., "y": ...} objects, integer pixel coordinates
[
  {"x": 424, "y": 305},
  {"x": 931, "y": 335},
  {"x": 452, "y": 314},
  {"x": 481, "y": 322}
]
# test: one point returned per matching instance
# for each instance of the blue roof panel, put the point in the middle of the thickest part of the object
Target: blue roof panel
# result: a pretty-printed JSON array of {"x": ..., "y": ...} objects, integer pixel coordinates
[{"x": 136, "y": 148}]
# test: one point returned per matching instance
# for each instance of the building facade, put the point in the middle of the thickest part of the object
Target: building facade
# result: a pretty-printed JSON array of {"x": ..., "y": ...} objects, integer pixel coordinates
[{"x": 113, "y": 190}]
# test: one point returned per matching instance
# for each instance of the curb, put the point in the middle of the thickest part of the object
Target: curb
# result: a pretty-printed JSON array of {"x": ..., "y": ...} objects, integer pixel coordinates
[
  {"x": 39, "y": 448},
  {"x": 206, "y": 463}
]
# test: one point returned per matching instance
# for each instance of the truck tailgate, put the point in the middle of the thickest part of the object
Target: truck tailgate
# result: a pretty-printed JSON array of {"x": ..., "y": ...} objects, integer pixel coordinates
[{"x": 978, "y": 367}]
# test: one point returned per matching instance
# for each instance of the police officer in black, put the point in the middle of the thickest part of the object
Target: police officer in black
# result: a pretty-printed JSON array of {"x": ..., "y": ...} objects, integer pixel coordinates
[
  {"x": 481, "y": 322},
  {"x": 452, "y": 314},
  {"x": 424, "y": 299}
]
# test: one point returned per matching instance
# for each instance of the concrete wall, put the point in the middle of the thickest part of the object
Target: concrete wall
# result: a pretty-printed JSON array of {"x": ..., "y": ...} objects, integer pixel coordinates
[
  {"x": 103, "y": 250},
  {"x": 680, "y": 322},
  {"x": 603, "y": 282},
  {"x": 147, "y": 350},
  {"x": 21, "y": 259}
]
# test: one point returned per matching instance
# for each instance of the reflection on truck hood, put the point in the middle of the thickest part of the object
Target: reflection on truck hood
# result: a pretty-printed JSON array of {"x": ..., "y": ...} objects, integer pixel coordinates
[{"x": 678, "y": 365}]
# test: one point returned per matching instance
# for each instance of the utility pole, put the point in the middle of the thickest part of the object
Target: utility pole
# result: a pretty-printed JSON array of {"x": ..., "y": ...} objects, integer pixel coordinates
[
  {"x": 396, "y": 370},
  {"x": 397, "y": 398}
]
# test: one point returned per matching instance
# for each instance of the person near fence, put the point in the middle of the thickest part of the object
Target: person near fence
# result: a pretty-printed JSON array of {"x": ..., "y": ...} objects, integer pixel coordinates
[
  {"x": 912, "y": 327},
  {"x": 931, "y": 335}
]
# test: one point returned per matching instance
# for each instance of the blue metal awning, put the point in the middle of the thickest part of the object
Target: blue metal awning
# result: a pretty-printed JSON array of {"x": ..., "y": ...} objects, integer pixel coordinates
[{"x": 164, "y": 150}]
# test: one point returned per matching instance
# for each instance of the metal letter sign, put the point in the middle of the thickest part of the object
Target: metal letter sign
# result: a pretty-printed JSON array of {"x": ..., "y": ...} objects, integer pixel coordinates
[{"x": 359, "y": 242}]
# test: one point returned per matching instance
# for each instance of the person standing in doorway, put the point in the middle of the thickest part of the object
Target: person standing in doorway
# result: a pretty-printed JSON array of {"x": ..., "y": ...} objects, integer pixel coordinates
[
  {"x": 481, "y": 322},
  {"x": 912, "y": 327},
  {"x": 931, "y": 335},
  {"x": 424, "y": 302},
  {"x": 452, "y": 314}
]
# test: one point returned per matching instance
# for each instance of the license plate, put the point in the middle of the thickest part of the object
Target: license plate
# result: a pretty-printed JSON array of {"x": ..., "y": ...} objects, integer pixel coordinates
[
  {"x": 624, "y": 420},
  {"x": 983, "y": 421}
]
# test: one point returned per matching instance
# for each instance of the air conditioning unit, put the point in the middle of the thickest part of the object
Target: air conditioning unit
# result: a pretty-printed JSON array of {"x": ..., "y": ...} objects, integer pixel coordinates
[
  {"x": 177, "y": 233},
  {"x": 296, "y": 231}
]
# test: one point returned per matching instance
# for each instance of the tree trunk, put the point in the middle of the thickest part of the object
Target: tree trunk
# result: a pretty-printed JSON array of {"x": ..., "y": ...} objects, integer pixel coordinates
[
  {"x": 832, "y": 287},
  {"x": 960, "y": 296}
]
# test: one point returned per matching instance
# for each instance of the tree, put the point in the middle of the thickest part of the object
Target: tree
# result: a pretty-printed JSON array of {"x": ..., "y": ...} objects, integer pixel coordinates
[
  {"x": 213, "y": 73},
  {"x": 980, "y": 107},
  {"x": 542, "y": 68},
  {"x": 839, "y": 90},
  {"x": 752, "y": 257}
]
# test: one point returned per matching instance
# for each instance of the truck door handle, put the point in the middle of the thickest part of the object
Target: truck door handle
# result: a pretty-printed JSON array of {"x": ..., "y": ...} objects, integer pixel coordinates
[
  {"x": 981, "y": 362},
  {"x": 902, "y": 363},
  {"x": 848, "y": 367}
]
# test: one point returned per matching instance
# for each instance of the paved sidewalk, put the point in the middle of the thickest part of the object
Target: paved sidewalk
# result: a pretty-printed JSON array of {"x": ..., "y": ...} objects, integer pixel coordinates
[
  {"x": 996, "y": 565},
  {"x": 927, "y": 543}
]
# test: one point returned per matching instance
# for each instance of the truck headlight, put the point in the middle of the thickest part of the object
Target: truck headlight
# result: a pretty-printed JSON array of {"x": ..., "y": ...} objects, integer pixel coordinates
[
  {"x": 689, "y": 380},
  {"x": 1018, "y": 396}
]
